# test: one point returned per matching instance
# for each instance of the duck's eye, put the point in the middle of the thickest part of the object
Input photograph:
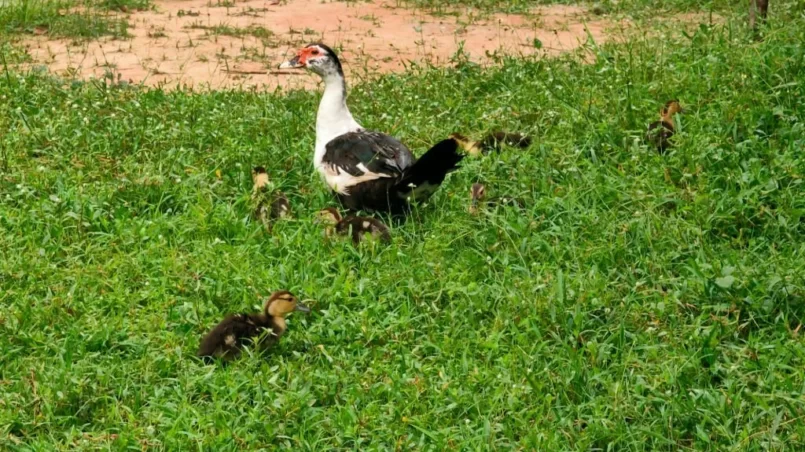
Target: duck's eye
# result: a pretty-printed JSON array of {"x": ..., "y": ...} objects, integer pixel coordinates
[{"x": 314, "y": 52}]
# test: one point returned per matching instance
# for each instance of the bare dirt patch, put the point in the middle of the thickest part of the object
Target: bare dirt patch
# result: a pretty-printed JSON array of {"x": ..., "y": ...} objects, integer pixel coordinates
[{"x": 203, "y": 44}]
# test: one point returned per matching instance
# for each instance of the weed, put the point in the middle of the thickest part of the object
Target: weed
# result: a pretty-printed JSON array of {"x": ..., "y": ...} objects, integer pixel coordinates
[
  {"x": 187, "y": 13},
  {"x": 157, "y": 32}
]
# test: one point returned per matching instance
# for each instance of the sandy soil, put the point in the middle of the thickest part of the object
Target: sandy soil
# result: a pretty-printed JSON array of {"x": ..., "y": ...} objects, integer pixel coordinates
[{"x": 201, "y": 44}]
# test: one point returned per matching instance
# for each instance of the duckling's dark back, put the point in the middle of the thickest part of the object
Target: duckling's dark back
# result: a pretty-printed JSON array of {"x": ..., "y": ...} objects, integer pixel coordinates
[
  {"x": 358, "y": 226},
  {"x": 659, "y": 134},
  {"x": 494, "y": 140},
  {"x": 262, "y": 207},
  {"x": 229, "y": 337},
  {"x": 280, "y": 207}
]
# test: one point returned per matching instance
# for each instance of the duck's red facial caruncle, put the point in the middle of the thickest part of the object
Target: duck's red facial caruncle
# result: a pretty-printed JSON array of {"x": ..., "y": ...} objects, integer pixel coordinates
[
  {"x": 305, "y": 57},
  {"x": 317, "y": 58}
]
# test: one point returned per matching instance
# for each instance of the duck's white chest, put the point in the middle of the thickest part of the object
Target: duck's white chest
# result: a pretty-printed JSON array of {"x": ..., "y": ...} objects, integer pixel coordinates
[
  {"x": 340, "y": 180},
  {"x": 327, "y": 172},
  {"x": 332, "y": 120}
]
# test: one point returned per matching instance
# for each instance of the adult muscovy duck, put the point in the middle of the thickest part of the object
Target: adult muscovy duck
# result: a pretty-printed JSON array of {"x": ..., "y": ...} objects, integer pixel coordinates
[{"x": 366, "y": 169}]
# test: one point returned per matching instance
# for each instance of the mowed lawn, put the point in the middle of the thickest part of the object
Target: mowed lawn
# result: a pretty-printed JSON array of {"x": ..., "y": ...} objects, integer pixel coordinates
[{"x": 636, "y": 302}]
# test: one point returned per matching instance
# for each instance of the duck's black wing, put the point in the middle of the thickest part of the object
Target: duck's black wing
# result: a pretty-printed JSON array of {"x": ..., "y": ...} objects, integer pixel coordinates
[{"x": 366, "y": 153}]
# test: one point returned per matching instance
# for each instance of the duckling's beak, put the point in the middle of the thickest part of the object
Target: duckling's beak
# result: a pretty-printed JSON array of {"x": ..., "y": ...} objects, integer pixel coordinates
[
  {"x": 293, "y": 63},
  {"x": 302, "y": 308}
]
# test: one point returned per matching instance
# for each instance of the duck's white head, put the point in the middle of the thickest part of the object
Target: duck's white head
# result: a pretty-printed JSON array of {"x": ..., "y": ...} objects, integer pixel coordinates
[{"x": 317, "y": 58}]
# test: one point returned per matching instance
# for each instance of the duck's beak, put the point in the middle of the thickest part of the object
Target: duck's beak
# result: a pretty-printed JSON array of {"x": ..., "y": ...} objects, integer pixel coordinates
[
  {"x": 293, "y": 63},
  {"x": 302, "y": 307}
]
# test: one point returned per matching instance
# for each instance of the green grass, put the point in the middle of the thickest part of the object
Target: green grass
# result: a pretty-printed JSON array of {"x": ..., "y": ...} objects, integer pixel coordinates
[
  {"x": 639, "y": 8},
  {"x": 68, "y": 18},
  {"x": 236, "y": 32},
  {"x": 125, "y": 5},
  {"x": 619, "y": 311}
]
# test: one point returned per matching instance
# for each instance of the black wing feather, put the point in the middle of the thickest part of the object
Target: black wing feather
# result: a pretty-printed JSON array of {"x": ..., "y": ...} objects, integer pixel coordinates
[{"x": 378, "y": 152}]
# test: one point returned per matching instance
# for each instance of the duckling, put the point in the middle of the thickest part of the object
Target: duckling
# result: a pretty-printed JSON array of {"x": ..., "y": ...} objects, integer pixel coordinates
[
  {"x": 329, "y": 217},
  {"x": 492, "y": 142},
  {"x": 280, "y": 207},
  {"x": 260, "y": 178},
  {"x": 478, "y": 196},
  {"x": 495, "y": 139},
  {"x": 660, "y": 132},
  {"x": 263, "y": 329},
  {"x": 260, "y": 193},
  {"x": 267, "y": 207},
  {"x": 356, "y": 226},
  {"x": 359, "y": 227}
]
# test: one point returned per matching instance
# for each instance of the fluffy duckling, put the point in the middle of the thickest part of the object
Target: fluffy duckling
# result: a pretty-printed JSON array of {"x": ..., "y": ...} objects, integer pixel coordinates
[
  {"x": 477, "y": 195},
  {"x": 492, "y": 142},
  {"x": 660, "y": 132},
  {"x": 263, "y": 329},
  {"x": 357, "y": 227},
  {"x": 280, "y": 207},
  {"x": 478, "y": 199},
  {"x": 329, "y": 217},
  {"x": 268, "y": 206}
]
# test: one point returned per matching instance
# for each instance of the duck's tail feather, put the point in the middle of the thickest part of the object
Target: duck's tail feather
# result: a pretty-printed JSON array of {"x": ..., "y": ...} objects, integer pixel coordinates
[{"x": 425, "y": 176}]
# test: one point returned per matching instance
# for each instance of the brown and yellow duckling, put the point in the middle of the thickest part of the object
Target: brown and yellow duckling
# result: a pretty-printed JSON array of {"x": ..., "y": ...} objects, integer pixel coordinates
[
  {"x": 478, "y": 199},
  {"x": 477, "y": 195},
  {"x": 268, "y": 206},
  {"x": 660, "y": 132},
  {"x": 492, "y": 142},
  {"x": 357, "y": 227},
  {"x": 262, "y": 330}
]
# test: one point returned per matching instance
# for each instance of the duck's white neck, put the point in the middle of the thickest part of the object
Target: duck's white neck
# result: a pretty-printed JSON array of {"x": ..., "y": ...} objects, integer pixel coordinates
[{"x": 333, "y": 118}]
